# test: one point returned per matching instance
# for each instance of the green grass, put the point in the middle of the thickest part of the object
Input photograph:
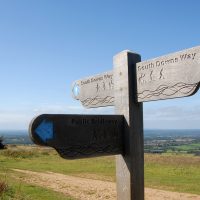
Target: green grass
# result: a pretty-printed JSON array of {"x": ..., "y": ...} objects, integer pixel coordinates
[
  {"x": 21, "y": 191},
  {"x": 173, "y": 172},
  {"x": 26, "y": 158},
  {"x": 168, "y": 171},
  {"x": 48, "y": 159},
  {"x": 189, "y": 147}
]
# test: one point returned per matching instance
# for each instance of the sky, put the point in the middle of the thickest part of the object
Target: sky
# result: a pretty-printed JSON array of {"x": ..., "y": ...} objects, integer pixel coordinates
[{"x": 46, "y": 45}]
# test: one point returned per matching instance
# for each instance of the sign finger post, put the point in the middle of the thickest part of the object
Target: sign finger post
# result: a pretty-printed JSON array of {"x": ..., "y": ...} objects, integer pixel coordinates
[
  {"x": 130, "y": 83},
  {"x": 79, "y": 136}
]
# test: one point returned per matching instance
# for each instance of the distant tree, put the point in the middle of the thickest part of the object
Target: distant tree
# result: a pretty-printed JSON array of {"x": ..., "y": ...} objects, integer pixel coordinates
[{"x": 2, "y": 146}]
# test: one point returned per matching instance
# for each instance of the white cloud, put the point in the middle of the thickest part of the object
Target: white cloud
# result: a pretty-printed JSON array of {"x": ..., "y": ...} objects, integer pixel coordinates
[
  {"x": 175, "y": 116},
  {"x": 172, "y": 114},
  {"x": 21, "y": 117},
  {"x": 65, "y": 109},
  {"x": 14, "y": 120}
]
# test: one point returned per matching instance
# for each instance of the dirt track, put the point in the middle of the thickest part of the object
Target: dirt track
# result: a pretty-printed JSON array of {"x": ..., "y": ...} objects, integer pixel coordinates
[{"x": 88, "y": 189}]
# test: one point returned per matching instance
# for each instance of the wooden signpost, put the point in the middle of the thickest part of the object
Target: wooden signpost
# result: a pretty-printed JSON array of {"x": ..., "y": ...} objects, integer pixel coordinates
[{"x": 129, "y": 84}]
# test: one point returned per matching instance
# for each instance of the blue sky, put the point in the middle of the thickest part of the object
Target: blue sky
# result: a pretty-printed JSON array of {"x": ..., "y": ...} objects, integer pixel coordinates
[{"x": 46, "y": 45}]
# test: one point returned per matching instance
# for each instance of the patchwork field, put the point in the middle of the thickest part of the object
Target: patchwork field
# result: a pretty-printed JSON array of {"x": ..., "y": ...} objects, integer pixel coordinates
[{"x": 30, "y": 172}]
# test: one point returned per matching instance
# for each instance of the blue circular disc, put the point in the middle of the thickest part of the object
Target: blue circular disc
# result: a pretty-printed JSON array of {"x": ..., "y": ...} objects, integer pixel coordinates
[{"x": 76, "y": 90}]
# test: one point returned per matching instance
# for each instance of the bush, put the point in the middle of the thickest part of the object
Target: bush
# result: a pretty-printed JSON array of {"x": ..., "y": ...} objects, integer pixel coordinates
[
  {"x": 18, "y": 153},
  {"x": 2, "y": 146},
  {"x": 3, "y": 187}
]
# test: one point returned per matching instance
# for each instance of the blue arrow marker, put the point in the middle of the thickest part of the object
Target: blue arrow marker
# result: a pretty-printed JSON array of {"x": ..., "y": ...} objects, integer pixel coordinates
[{"x": 45, "y": 130}]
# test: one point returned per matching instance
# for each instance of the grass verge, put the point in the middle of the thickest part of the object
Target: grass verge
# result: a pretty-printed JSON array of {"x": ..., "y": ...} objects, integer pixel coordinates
[{"x": 170, "y": 172}]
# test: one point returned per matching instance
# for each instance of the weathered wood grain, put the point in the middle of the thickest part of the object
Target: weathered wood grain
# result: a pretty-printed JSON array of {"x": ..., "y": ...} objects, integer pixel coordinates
[
  {"x": 129, "y": 165},
  {"x": 166, "y": 77},
  {"x": 169, "y": 76},
  {"x": 95, "y": 91}
]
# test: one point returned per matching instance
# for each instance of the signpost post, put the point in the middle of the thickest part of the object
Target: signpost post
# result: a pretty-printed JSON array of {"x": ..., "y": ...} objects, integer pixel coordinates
[
  {"x": 130, "y": 164},
  {"x": 129, "y": 84}
]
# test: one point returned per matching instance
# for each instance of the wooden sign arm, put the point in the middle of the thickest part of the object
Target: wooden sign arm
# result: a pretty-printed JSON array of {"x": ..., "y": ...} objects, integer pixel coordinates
[
  {"x": 79, "y": 136},
  {"x": 170, "y": 76}
]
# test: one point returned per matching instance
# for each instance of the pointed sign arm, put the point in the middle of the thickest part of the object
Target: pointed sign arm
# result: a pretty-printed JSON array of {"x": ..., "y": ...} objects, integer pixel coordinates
[
  {"x": 166, "y": 77},
  {"x": 170, "y": 76},
  {"x": 79, "y": 136}
]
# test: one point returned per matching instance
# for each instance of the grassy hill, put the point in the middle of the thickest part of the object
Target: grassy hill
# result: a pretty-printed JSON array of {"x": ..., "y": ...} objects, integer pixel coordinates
[{"x": 166, "y": 171}]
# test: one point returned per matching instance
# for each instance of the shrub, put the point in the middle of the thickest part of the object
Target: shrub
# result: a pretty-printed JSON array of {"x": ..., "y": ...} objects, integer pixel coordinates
[
  {"x": 18, "y": 153},
  {"x": 2, "y": 146},
  {"x": 3, "y": 187}
]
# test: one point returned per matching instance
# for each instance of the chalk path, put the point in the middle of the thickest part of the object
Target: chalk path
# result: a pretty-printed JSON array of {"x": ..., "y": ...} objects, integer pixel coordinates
[{"x": 89, "y": 189}]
